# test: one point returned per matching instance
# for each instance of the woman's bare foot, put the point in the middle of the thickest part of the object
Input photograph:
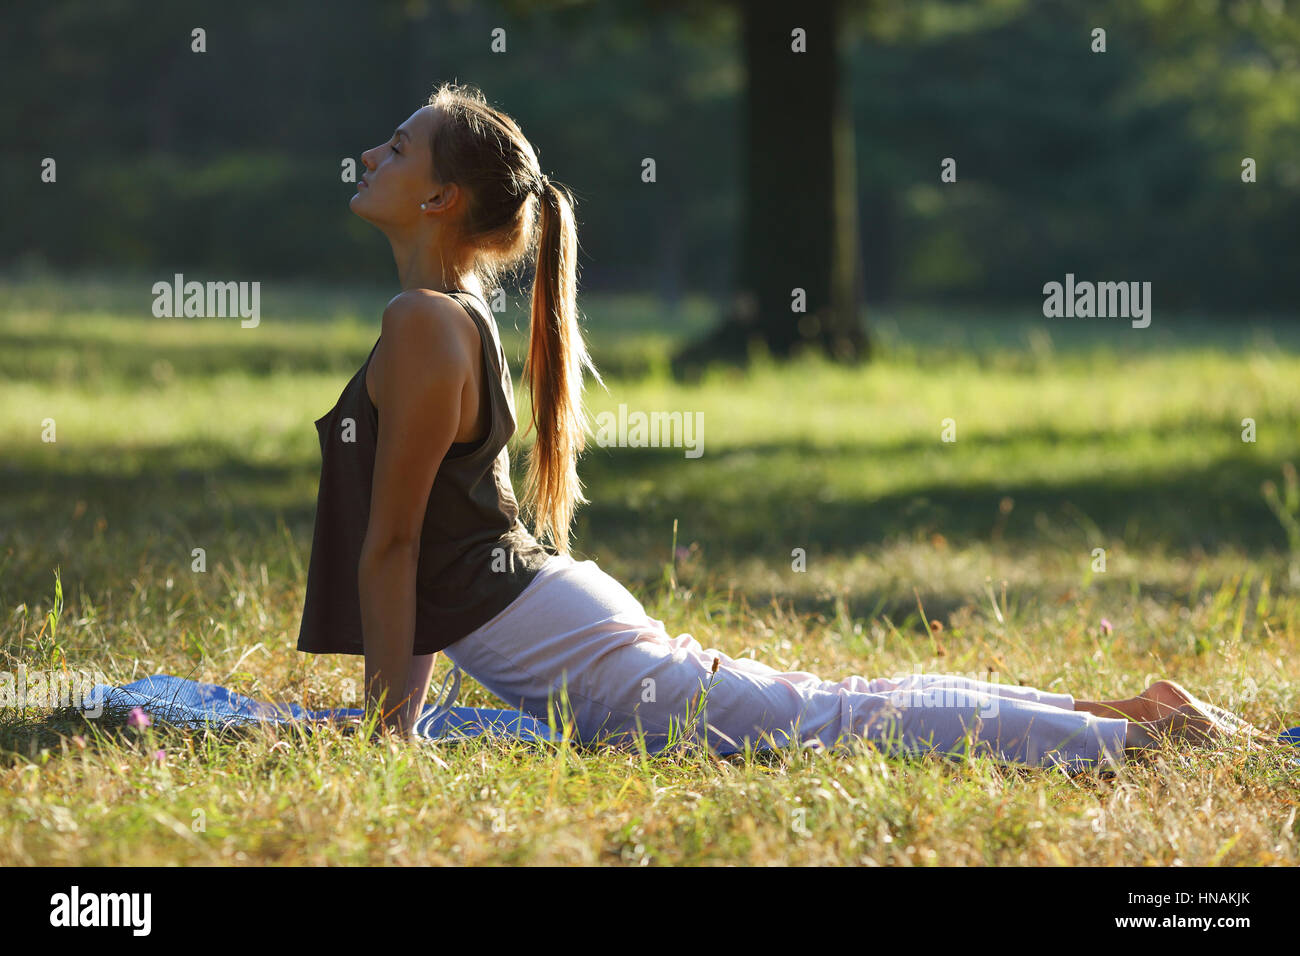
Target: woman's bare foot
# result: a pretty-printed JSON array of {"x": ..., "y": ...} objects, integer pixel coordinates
[
  {"x": 1166, "y": 698},
  {"x": 1185, "y": 723}
]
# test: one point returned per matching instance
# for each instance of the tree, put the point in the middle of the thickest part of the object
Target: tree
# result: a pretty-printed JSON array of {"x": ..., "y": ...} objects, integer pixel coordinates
[{"x": 799, "y": 275}]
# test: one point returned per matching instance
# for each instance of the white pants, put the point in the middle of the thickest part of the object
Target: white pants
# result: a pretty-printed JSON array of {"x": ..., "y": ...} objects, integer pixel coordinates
[{"x": 576, "y": 631}]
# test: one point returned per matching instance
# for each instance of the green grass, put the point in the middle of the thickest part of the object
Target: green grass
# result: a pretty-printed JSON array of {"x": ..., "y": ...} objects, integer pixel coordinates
[{"x": 1071, "y": 436}]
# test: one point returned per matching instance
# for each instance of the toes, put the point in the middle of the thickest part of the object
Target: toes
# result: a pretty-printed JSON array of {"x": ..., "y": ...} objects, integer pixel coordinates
[{"x": 1231, "y": 719}]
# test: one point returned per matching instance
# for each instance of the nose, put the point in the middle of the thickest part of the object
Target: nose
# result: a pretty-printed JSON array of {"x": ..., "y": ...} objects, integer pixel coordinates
[{"x": 366, "y": 158}]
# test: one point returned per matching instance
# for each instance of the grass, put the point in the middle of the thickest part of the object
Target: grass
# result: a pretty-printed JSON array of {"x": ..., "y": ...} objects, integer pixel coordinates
[{"x": 176, "y": 435}]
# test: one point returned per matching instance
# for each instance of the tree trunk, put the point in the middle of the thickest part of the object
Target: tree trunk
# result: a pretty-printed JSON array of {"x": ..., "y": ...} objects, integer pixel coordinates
[
  {"x": 799, "y": 228},
  {"x": 879, "y": 217}
]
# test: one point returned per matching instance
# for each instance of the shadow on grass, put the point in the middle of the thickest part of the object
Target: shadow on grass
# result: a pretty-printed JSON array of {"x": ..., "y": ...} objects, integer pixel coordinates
[
  {"x": 767, "y": 506},
  {"x": 760, "y": 501}
]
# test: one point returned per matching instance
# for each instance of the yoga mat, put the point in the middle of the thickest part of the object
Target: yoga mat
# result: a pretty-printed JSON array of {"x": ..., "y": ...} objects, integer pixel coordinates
[{"x": 177, "y": 700}]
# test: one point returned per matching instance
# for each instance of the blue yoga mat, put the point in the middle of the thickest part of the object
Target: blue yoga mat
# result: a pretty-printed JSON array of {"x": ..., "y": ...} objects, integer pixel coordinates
[{"x": 177, "y": 700}]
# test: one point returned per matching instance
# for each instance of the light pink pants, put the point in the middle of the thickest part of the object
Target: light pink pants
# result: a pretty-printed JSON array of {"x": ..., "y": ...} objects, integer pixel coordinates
[{"x": 577, "y": 631}]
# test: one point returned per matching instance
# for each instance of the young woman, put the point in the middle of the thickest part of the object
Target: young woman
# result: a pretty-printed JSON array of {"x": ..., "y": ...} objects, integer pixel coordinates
[{"x": 418, "y": 546}]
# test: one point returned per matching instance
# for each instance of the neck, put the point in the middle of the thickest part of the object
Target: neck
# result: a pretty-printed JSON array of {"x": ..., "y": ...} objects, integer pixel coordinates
[{"x": 420, "y": 266}]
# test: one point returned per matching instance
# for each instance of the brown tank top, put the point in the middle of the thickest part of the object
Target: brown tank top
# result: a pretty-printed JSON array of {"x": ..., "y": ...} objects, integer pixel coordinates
[{"x": 476, "y": 556}]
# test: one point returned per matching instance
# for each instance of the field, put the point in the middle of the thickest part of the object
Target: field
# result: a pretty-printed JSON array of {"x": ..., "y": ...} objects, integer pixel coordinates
[{"x": 1071, "y": 436}]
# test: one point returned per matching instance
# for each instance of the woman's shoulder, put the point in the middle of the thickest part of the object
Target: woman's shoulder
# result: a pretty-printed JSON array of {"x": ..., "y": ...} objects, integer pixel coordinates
[
  {"x": 428, "y": 303},
  {"x": 430, "y": 323}
]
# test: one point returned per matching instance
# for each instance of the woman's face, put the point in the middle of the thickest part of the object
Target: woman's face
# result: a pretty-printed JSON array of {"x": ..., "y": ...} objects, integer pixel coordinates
[{"x": 399, "y": 176}]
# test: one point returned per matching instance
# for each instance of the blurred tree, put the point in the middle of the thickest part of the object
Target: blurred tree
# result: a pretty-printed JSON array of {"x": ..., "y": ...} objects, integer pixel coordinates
[{"x": 799, "y": 279}]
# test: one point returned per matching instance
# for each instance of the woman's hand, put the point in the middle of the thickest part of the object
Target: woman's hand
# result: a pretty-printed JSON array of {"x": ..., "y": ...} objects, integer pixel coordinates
[{"x": 381, "y": 734}]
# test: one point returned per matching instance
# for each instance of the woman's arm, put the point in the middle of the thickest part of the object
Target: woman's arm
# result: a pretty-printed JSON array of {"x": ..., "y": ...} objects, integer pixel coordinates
[{"x": 421, "y": 367}]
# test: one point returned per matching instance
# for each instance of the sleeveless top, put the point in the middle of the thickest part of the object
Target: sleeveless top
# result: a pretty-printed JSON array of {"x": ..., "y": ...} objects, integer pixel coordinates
[{"x": 475, "y": 556}]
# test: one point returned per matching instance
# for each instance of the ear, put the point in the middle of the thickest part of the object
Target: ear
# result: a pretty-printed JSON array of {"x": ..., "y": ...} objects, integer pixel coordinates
[{"x": 443, "y": 199}]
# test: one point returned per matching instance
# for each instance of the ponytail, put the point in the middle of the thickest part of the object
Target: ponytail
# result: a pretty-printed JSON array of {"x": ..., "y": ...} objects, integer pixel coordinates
[
  {"x": 482, "y": 148},
  {"x": 553, "y": 371}
]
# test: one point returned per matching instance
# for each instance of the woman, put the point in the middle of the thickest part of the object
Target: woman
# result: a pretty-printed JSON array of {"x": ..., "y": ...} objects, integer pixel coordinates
[{"x": 418, "y": 547}]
